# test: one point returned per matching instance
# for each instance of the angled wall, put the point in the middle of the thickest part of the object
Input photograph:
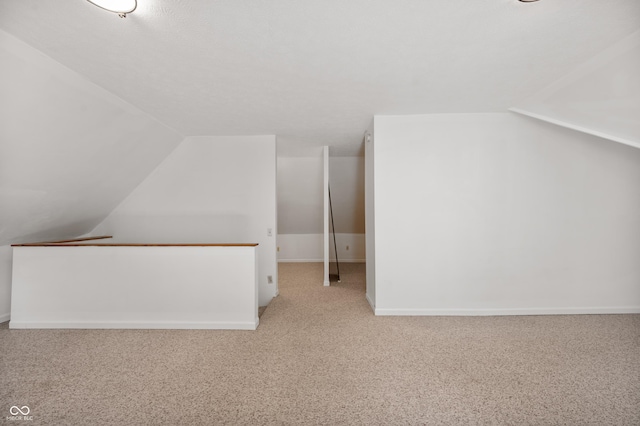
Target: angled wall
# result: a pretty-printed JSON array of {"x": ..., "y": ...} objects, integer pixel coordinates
[
  {"x": 488, "y": 214},
  {"x": 211, "y": 189},
  {"x": 601, "y": 97},
  {"x": 300, "y": 195},
  {"x": 346, "y": 179},
  {"x": 69, "y": 151}
]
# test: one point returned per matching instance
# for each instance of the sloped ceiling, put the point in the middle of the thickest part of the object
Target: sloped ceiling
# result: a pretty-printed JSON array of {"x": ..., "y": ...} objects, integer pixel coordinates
[
  {"x": 314, "y": 72},
  {"x": 600, "y": 97},
  {"x": 69, "y": 150},
  {"x": 90, "y": 103}
]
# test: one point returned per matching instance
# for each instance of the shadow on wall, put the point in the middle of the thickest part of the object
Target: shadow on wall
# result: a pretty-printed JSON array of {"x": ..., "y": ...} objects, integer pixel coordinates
[{"x": 183, "y": 228}]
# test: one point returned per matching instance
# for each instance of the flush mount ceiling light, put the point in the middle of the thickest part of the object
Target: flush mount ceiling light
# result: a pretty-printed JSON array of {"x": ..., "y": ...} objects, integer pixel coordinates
[
  {"x": 528, "y": 1},
  {"x": 121, "y": 7}
]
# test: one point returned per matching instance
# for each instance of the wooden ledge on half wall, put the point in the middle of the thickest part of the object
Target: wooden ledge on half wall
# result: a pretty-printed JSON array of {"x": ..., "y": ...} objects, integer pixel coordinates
[{"x": 81, "y": 242}]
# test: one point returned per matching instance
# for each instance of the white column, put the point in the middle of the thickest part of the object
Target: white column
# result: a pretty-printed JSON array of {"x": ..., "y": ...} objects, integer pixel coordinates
[{"x": 325, "y": 154}]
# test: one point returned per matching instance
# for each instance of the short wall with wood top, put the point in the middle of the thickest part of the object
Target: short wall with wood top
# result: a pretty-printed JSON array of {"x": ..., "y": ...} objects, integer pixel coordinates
[{"x": 135, "y": 286}]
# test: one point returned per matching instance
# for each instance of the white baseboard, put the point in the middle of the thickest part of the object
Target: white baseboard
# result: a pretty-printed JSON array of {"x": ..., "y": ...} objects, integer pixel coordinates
[
  {"x": 215, "y": 325},
  {"x": 499, "y": 312},
  {"x": 373, "y": 306},
  {"x": 320, "y": 260},
  {"x": 5, "y": 317}
]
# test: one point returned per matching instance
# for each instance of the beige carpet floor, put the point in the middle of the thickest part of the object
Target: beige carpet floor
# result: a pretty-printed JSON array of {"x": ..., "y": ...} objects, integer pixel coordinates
[{"x": 321, "y": 357}]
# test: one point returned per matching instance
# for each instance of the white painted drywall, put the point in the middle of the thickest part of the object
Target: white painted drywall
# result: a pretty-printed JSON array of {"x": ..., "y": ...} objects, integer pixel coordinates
[
  {"x": 69, "y": 151},
  {"x": 369, "y": 188},
  {"x": 300, "y": 207},
  {"x": 210, "y": 189},
  {"x": 309, "y": 247},
  {"x": 503, "y": 214},
  {"x": 135, "y": 287},
  {"x": 351, "y": 247},
  {"x": 600, "y": 97},
  {"x": 6, "y": 258},
  {"x": 300, "y": 195},
  {"x": 300, "y": 248},
  {"x": 346, "y": 179}
]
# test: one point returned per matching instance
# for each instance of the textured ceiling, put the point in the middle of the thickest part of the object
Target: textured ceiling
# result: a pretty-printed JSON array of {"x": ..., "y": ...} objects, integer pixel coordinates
[{"x": 315, "y": 72}]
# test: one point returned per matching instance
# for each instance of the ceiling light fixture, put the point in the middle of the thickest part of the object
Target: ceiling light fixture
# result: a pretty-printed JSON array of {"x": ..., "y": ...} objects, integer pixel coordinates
[
  {"x": 121, "y": 7},
  {"x": 528, "y": 1}
]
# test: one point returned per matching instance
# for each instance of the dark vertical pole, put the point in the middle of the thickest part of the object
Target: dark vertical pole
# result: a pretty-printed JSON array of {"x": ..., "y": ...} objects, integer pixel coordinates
[{"x": 333, "y": 228}]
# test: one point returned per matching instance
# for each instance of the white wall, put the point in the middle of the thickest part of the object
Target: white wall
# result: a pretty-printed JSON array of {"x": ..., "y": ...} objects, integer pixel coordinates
[
  {"x": 300, "y": 196},
  {"x": 370, "y": 240},
  {"x": 300, "y": 208},
  {"x": 300, "y": 247},
  {"x": 351, "y": 247},
  {"x": 502, "y": 214},
  {"x": 194, "y": 287},
  {"x": 210, "y": 189},
  {"x": 346, "y": 179},
  {"x": 6, "y": 259},
  {"x": 309, "y": 247},
  {"x": 69, "y": 151}
]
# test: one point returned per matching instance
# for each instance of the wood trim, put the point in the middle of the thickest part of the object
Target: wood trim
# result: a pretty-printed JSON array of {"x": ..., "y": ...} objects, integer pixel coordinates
[
  {"x": 100, "y": 237},
  {"x": 136, "y": 245}
]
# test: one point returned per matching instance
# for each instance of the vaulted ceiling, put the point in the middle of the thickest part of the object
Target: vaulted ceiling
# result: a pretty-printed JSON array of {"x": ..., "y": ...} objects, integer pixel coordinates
[{"x": 315, "y": 72}]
